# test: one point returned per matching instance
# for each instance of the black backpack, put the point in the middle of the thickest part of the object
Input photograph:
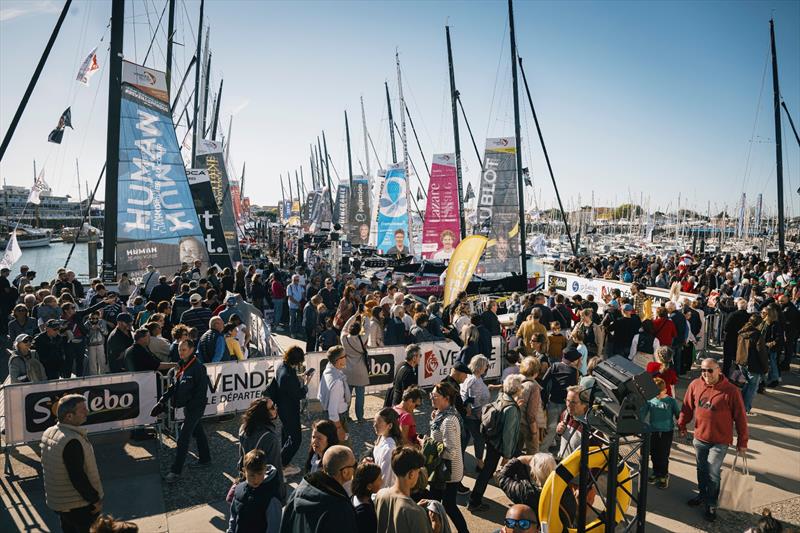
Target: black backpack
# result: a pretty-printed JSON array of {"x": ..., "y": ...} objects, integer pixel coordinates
[{"x": 492, "y": 419}]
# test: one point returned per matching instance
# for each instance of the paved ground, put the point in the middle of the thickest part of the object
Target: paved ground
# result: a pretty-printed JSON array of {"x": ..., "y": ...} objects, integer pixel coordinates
[{"x": 131, "y": 473}]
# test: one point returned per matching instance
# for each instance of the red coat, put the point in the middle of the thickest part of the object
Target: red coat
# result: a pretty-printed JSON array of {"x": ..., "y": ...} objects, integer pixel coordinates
[
  {"x": 665, "y": 331},
  {"x": 715, "y": 409}
]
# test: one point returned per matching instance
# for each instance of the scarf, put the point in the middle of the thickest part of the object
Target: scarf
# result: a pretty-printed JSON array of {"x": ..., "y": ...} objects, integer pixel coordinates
[{"x": 438, "y": 420}]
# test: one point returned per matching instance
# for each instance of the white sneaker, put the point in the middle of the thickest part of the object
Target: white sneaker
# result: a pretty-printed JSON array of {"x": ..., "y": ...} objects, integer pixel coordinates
[{"x": 290, "y": 470}]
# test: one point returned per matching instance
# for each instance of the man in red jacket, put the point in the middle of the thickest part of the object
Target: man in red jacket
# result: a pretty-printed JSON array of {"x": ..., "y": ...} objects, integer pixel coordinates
[{"x": 715, "y": 404}]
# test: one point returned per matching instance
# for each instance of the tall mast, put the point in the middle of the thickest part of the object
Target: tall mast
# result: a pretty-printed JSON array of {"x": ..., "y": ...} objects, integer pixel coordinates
[
  {"x": 327, "y": 169},
  {"x": 349, "y": 153},
  {"x": 299, "y": 194},
  {"x": 216, "y": 112},
  {"x": 197, "y": 82},
  {"x": 520, "y": 190},
  {"x": 170, "y": 32},
  {"x": 206, "y": 83},
  {"x": 391, "y": 122},
  {"x": 776, "y": 91},
  {"x": 366, "y": 145},
  {"x": 320, "y": 167},
  {"x": 456, "y": 137},
  {"x": 404, "y": 140},
  {"x": 112, "y": 139}
]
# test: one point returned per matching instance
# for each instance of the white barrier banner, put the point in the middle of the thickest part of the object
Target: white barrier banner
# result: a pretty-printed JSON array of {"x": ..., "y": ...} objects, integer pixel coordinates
[
  {"x": 233, "y": 385},
  {"x": 434, "y": 365},
  {"x": 115, "y": 401}
]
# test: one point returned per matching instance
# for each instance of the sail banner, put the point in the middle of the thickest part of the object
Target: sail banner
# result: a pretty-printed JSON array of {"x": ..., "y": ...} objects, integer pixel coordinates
[
  {"x": 308, "y": 209},
  {"x": 462, "y": 266},
  {"x": 393, "y": 213},
  {"x": 156, "y": 220},
  {"x": 211, "y": 156},
  {"x": 441, "y": 231},
  {"x": 498, "y": 207},
  {"x": 294, "y": 215},
  {"x": 287, "y": 210},
  {"x": 359, "y": 211},
  {"x": 321, "y": 217},
  {"x": 341, "y": 206},
  {"x": 210, "y": 223}
]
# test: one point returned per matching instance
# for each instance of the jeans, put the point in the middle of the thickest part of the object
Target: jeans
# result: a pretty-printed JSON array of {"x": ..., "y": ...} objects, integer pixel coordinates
[
  {"x": 78, "y": 520},
  {"x": 192, "y": 426},
  {"x": 660, "y": 445},
  {"x": 492, "y": 459},
  {"x": 448, "y": 497},
  {"x": 474, "y": 430},
  {"x": 554, "y": 411},
  {"x": 278, "y": 305},
  {"x": 359, "y": 400},
  {"x": 295, "y": 320},
  {"x": 750, "y": 389},
  {"x": 774, "y": 373},
  {"x": 291, "y": 436},
  {"x": 709, "y": 466}
]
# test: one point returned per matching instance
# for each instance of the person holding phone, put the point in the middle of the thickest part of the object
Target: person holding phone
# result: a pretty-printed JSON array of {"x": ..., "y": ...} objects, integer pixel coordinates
[{"x": 291, "y": 390}]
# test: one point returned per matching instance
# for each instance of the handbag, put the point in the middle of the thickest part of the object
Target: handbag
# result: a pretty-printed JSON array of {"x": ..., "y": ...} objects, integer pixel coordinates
[{"x": 736, "y": 487}]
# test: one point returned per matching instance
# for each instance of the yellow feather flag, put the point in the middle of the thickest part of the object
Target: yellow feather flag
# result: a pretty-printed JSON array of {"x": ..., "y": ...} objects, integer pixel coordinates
[{"x": 462, "y": 265}]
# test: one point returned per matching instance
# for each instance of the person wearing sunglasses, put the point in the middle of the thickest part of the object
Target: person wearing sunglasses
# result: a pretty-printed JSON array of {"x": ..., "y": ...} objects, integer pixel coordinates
[
  {"x": 715, "y": 404},
  {"x": 519, "y": 519}
]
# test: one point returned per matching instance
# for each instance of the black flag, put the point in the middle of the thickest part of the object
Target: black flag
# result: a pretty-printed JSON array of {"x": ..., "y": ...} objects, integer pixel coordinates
[
  {"x": 65, "y": 121},
  {"x": 469, "y": 195},
  {"x": 526, "y": 175},
  {"x": 419, "y": 195}
]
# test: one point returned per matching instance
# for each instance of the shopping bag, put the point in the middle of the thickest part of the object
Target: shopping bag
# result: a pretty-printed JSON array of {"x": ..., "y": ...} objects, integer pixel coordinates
[{"x": 736, "y": 487}]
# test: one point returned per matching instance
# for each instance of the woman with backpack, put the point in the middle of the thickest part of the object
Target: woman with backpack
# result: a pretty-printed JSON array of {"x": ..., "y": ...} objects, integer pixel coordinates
[
  {"x": 354, "y": 343},
  {"x": 752, "y": 358},
  {"x": 287, "y": 390},
  {"x": 446, "y": 429},
  {"x": 475, "y": 394},
  {"x": 644, "y": 344},
  {"x": 259, "y": 432}
]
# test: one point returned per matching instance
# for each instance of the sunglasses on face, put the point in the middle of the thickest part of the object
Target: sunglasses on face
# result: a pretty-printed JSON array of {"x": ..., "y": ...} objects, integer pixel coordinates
[
  {"x": 707, "y": 370},
  {"x": 522, "y": 523}
]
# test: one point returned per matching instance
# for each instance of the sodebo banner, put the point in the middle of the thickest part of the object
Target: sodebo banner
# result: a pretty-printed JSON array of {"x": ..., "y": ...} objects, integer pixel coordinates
[{"x": 114, "y": 401}]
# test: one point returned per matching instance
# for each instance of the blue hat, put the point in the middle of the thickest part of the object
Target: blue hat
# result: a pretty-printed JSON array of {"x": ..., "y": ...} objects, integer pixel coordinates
[{"x": 125, "y": 317}]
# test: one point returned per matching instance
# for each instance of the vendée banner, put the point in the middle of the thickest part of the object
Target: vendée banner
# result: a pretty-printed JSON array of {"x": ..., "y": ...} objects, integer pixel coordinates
[{"x": 441, "y": 231}]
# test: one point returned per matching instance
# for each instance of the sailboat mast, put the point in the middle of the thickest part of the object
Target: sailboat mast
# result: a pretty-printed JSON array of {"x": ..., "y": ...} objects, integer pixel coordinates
[
  {"x": 112, "y": 140},
  {"x": 327, "y": 169},
  {"x": 776, "y": 91},
  {"x": 349, "y": 153},
  {"x": 517, "y": 137},
  {"x": 216, "y": 112},
  {"x": 198, "y": 68},
  {"x": 366, "y": 144},
  {"x": 456, "y": 136},
  {"x": 404, "y": 140},
  {"x": 391, "y": 122},
  {"x": 170, "y": 35}
]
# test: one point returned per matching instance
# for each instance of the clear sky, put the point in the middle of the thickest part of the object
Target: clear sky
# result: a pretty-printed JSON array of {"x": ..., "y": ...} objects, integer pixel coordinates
[{"x": 636, "y": 99}]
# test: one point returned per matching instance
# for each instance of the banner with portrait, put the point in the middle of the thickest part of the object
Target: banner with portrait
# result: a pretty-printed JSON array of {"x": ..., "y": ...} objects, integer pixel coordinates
[{"x": 441, "y": 231}]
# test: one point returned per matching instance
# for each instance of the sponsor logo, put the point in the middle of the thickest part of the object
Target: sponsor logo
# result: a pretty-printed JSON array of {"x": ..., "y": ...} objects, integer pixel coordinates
[
  {"x": 431, "y": 364},
  {"x": 559, "y": 282},
  {"x": 236, "y": 386},
  {"x": 381, "y": 369},
  {"x": 106, "y": 403},
  {"x": 575, "y": 286}
]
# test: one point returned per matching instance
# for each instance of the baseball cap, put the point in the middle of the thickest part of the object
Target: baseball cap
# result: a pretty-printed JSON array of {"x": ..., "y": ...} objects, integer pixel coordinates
[
  {"x": 195, "y": 298},
  {"x": 230, "y": 300},
  {"x": 614, "y": 304},
  {"x": 628, "y": 308},
  {"x": 23, "y": 337},
  {"x": 125, "y": 317},
  {"x": 571, "y": 355},
  {"x": 461, "y": 367},
  {"x": 53, "y": 323}
]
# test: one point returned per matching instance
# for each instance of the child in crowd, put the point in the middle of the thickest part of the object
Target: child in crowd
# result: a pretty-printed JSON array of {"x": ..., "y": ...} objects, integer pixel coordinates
[
  {"x": 97, "y": 332},
  {"x": 557, "y": 341},
  {"x": 662, "y": 368},
  {"x": 663, "y": 411},
  {"x": 256, "y": 504},
  {"x": 367, "y": 481},
  {"x": 235, "y": 349},
  {"x": 576, "y": 341}
]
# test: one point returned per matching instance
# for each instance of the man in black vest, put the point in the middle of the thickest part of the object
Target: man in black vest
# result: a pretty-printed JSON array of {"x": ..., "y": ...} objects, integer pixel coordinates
[
  {"x": 405, "y": 377},
  {"x": 212, "y": 347}
]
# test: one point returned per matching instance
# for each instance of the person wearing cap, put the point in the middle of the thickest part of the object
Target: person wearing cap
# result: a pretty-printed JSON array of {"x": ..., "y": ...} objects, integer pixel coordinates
[
  {"x": 24, "y": 365},
  {"x": 119, "y": 340},
  {"x": 197, "y": 316},
  {"x": 563, "y": 374},
  {"x": 623, "y": 330},
  {"x": 50, "y": 347}
]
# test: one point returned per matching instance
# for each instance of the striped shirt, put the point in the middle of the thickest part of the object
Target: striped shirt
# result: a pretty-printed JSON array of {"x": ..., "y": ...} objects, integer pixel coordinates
[
  {"x": 196, "y": 317},
  {"x": 450, "y": 434}
]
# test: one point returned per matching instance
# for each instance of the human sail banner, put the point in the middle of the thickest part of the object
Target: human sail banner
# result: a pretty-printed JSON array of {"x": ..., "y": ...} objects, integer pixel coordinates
[
  {"x": 156, "y": 222},
  {"x": 210, "y": 222},
  {"x": 498, "y": 207},
  {"x": 441, "y": 231},
  {"x": 211, "y": 157},
  {"x": 360, "y": 211},
  {"x": 393, "y": 213}
]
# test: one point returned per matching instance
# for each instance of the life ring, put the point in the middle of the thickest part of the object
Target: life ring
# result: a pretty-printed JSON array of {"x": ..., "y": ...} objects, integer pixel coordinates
[{"x": 560, "y": 478}]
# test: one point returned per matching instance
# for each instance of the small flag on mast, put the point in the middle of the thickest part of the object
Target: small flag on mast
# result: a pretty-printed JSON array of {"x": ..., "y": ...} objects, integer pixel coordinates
[
  {"x": 39, "y": 187},
  {"x": 470, "y": 194},
  {"x": 419, "y": 195},
  {"x": 65, "y": 121},
  {"x": 88, "y": 68}
]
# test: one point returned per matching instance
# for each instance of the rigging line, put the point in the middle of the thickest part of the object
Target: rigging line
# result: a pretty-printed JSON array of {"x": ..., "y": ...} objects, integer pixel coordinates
[
  {"x": 374, "y": 151},
  {"x": 189, "y": 20},
  {"x": 755, "y": 120},
  {"x": 412, "y": 162},
  {"x": 469, "y": 129},
  {"x": 407, "y": 86},
  {"x": 135, "y": 43},
  {"x": 89, "y": 202},
  {"x": 500, "y": 60},
  {"x": 155, "y": 33},
  {"x": 419, "y": 146},
  {"x": 791, "y": 122}
]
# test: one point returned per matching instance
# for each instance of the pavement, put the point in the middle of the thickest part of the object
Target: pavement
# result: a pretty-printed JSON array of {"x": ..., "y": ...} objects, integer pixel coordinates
[{"x": 132, "y": 476}]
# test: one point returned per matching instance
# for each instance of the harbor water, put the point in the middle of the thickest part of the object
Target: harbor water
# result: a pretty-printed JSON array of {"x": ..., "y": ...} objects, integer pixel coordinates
[{"x": 45, "y": 261}]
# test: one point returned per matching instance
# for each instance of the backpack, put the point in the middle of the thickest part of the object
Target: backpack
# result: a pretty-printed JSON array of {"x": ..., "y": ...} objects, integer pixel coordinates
[
  {"x": 492, "y": 419},
  {"x": 645, "y": 343}
]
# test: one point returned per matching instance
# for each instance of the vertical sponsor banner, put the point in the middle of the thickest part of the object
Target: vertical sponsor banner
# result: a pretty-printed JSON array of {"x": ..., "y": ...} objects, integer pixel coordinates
[
  {"x": 308, "y": 209},
  {"x": 498, "y": 207},
  {"x": 462, "y": 266},
  {"x": 286, "y": 211},
  {"x": 341, "y": 206},
  {"x": 236, "y": 200},
  {"x": 441, "y": 231},
  {"x": 211, "y": 156},
  {"x": 156, "y": 222},
  {"x": 115, "y": 401},
  {"x": 321, "y": 217},
  {"x": 360, "y": 211},
  {"x": 393, "y": 213},
  {"x": 294, "y": 216},
  {"x": 210, "y": 223}
]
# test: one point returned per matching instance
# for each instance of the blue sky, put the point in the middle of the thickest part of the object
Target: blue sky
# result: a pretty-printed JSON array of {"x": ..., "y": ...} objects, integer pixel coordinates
[{"x": 636, "y": 99}]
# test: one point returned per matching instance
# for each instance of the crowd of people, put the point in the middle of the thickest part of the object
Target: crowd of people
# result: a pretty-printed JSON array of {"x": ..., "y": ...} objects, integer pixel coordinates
[{"x": 409, "y": 481}]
